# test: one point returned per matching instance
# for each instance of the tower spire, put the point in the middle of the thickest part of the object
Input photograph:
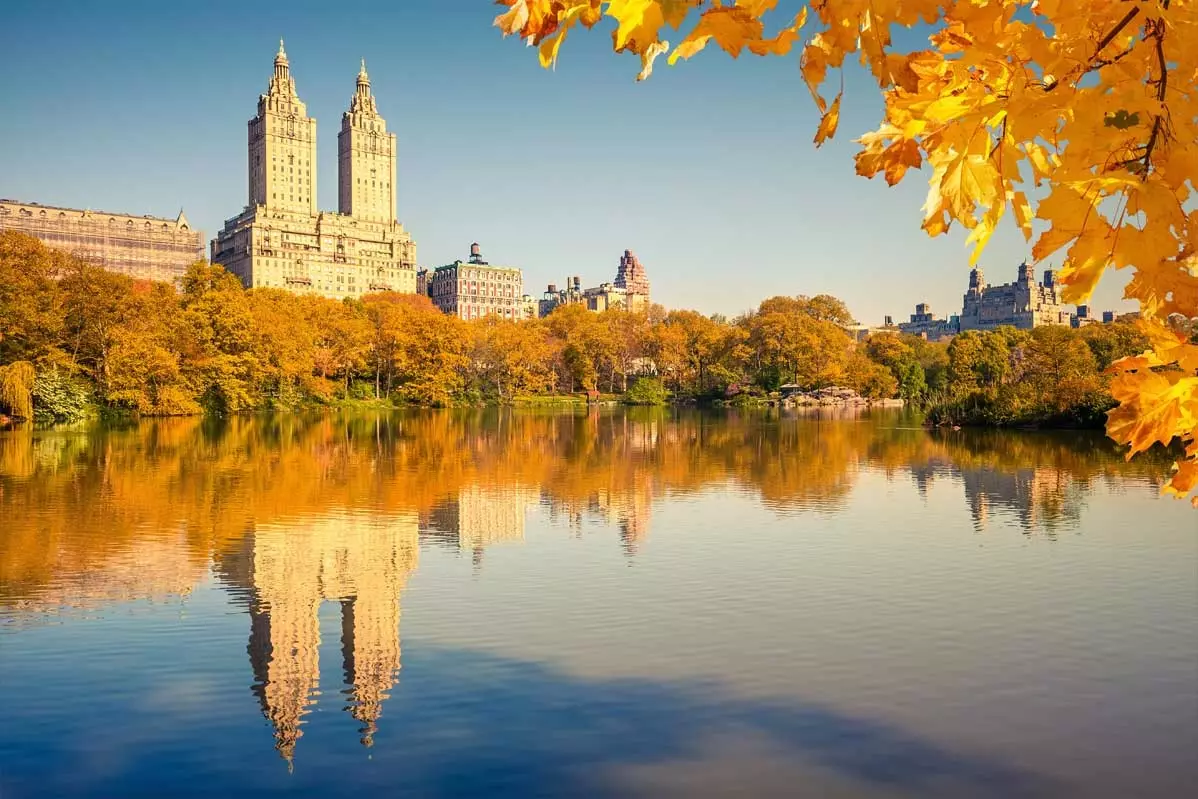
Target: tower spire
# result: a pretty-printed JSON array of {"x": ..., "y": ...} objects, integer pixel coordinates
[
  {"x": 280, "y": 82},
  {"x": 362, "y": 102}
]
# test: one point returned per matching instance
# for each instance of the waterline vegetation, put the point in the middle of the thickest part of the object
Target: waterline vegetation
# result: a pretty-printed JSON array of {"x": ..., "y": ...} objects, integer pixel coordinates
[{"x": 73, "y": 335}]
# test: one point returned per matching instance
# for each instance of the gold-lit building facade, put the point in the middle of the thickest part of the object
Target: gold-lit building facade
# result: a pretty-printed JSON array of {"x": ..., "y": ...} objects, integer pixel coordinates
[
  {"x": 142, "y": 247},
  {"x": 281, "y": 239},
  {"x": 285, "y": 572}
]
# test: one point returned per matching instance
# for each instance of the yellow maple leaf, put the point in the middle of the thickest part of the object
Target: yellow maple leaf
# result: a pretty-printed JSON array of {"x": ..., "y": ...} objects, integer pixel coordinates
[
  {"x": 1023, "y": 213},
  {"x": 549, "y": 47},
  {"x": 1161, "y": 404},
  {"x": 828, "y": 123},
  {"x": 633, "y": 15},
  {"x": 732, "y": 27}
]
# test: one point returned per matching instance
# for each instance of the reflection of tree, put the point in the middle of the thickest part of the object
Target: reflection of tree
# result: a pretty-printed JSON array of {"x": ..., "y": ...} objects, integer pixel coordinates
[
  {"x": 140, "y": 511},
  {"x": 73, "y": 502}
]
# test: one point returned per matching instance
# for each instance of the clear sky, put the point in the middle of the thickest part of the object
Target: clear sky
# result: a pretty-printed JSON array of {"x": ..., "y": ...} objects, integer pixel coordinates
[{"x": 706, "y": 171}]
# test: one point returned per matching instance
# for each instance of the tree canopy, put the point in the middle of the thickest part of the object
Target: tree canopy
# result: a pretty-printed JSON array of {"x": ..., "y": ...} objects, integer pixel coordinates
[{"x": 1080, "y": 116}]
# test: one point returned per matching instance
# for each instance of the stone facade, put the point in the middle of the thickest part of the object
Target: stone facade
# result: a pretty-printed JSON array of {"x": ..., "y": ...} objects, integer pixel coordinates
[
  {"x": 475, "y": 289},
  {"x": 142, "y": 247},
  {"x": 606, "y": 296},
  {"x": 281, "y": 240},
  {"x": 1023, "y": 304},
  {"x": 923, "y": 324}
]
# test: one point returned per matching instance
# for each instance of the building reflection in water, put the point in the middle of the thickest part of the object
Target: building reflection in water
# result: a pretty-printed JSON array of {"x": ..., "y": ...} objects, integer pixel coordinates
[
  {"x": 476, "y": 516},
  {"x": 138, "y": 512},
  {"x": 1038, "y": 498},
  {"x": 285, "y": 572}
]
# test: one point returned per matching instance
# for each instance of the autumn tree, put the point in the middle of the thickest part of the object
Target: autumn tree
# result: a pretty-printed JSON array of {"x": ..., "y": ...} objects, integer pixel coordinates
[
  {"x": 1080, "y": 116},
  {"x": 896, "y": 354},
  {"x": 978, "y": 359},
  {"x": 581, "y": 344},
  {"x": 218, "y": 350},
  {"x": 145, "y": 370},
  {"x": 96, "y": 304},
  {"x": 785, "y": 343},
  {"x": 1058, "y": 368},
  {"x": 31, "y": 309},
  {"x": 695, "y": 349},
  {"x": 1110, "y": 342},
  {"x": 286, "y": 344}
]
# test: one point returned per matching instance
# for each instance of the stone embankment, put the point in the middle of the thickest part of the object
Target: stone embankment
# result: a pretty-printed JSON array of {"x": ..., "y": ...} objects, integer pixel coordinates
[{"x": 834, "y": 395}]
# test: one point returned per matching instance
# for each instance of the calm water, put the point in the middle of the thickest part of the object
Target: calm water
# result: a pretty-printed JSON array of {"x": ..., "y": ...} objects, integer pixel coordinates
[{"x": 613, "y": 604}]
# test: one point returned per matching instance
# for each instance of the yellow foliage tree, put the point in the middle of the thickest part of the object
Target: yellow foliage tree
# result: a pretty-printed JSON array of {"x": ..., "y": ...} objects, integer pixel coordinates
[
  {"x": 1093, "y": 102},
  {"x": 16, "y": 389}
]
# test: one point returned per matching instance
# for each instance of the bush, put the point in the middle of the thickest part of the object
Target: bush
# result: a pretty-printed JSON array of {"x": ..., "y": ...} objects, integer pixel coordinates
[
  {"x": 58, "y": 397},
  {"x": 646, "y": 391},
  {"x": 361, "y": 390}
]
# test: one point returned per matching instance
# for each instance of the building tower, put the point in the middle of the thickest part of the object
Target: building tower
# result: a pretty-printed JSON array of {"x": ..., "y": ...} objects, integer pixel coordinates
[
  {"x": 282, "y": 146},
  {"x": 631, "y": 275},
  {"x": 365, "y": 159}
]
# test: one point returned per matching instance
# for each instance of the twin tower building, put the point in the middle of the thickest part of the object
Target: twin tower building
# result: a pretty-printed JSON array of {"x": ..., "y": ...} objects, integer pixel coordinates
[{"x": 281, "y": 240}]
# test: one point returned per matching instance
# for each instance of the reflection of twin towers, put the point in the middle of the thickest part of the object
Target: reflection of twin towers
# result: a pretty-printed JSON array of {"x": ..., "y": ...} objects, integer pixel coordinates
[{"x": 362, "y": 561}]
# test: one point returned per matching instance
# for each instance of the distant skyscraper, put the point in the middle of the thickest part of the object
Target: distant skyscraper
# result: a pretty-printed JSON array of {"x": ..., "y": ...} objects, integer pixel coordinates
[
  {"x": 281, "y": 240},
  {"x": 142, "y": 247}
]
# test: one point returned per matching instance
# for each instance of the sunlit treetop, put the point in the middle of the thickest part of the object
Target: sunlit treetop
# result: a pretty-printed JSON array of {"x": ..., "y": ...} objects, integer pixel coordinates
[{"x": 1079, "y": 116}]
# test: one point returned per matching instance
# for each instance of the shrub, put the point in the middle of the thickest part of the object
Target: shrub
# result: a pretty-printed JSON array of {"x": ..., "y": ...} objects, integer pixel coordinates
[
  {"x": 646, "y": 391},
  {"x": 58, "y": 397}
]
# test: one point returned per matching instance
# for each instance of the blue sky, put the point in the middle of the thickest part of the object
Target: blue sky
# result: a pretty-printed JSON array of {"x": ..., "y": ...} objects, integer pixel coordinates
[{"x": 706, "y": 170}]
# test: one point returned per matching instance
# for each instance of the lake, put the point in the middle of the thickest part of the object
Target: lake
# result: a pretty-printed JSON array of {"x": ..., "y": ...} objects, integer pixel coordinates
[{"x": 646, "y": 602}]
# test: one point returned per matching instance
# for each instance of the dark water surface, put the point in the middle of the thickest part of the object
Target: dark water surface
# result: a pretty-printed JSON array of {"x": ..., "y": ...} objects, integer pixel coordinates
[{"x": 615, "y": 604}]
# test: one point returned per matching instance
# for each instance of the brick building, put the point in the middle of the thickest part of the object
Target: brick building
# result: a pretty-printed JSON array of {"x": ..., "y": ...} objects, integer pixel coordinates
[{"x": 474, "y": 288}]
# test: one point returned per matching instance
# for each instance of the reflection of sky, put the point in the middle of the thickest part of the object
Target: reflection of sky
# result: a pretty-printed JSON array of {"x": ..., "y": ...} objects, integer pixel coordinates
[{"x": 886, "y": 648}]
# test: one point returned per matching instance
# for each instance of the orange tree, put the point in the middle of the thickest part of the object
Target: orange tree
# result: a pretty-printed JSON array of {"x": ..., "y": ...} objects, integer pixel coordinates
[{"x": 1082, "y": 114}]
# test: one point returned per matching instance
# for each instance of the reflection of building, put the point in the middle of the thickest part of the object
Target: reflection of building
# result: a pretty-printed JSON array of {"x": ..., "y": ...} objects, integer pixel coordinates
[
  {"x": 142, "y": 247},
  {"x": 148, "y": 568},
  {"x": 281, "y": 240},
  {"x": 288, "y": 571},
  {"x": 1023, "y": 304},
  {"x": 1036, "y": 497},
  {"x": 475, "y": 289},
  {"x": 477, "y": 517}
]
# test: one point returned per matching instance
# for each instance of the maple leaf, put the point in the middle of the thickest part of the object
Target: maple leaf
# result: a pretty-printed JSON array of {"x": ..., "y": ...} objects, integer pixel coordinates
[
  {"x": 1160, "y": 404},
  {"x": 732, "y": 27},
  {"x": 828, "y": 123}
]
